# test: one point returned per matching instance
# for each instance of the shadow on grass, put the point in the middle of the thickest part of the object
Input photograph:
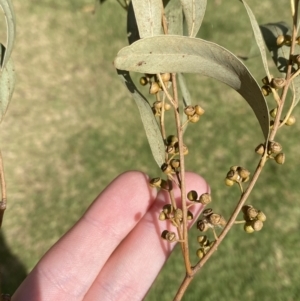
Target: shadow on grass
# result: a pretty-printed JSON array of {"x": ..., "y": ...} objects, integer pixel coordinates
[{"x": 12, "y": 271}]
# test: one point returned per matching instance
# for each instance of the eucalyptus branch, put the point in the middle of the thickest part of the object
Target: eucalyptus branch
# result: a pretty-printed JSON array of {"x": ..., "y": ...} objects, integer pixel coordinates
[
  {"x": 163, "y": 53},
  {"x": 182, "y": 175}
]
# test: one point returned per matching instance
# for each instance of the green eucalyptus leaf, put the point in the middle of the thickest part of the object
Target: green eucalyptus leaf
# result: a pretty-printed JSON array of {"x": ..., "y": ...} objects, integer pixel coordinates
[
  {"x": 11, "y": 30},
  {"x": 186, "y": 96},
  {"x": 194, "y": 11},
  {"x": 161, "y": 54},
  {"x": 174, "y": 16},
  {"x": 258, "y": 37},
  {"x": 148, "y": 17},
  {"x": 132, "y": 29},
  {"x": 149, "y": 121},
  {"x": 280, "y": 54},
  {"x": 7, "y": 84}
]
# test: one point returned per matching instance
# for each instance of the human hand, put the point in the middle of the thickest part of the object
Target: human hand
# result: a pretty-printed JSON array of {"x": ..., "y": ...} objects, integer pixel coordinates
[{"x": 114, "y": 252}]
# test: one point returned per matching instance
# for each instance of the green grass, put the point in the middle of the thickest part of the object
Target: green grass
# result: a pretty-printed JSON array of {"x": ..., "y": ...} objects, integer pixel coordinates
[{"x": 66, "y": 136}]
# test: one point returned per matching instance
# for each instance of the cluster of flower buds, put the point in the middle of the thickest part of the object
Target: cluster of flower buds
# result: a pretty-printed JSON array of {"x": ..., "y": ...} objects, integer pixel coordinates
[
  {"x": 193, "y": 113},
  {"x": 169, "y": 236},
  {"x": 210, "y": 220},
  {"x": 204, "y": 198},
  {"x": 175, "y": 215},
  {"x": 205, "y": 245},
  {"x": 153, "y": 81},
  {"x": 254, "y": 219},
  {"x": 237, "y": 174},
  {"x": 158, "y": 106},
  {"x": 172, "y": 147},
  {"x": 275, "y": 83},
  {"x": 172, "y": 167},
  {"x": 159, "y": 183},
  {"x": 273, "y": 150},
  {"x": 289, "y": 121},
  {"x": 284, "y": 40}
]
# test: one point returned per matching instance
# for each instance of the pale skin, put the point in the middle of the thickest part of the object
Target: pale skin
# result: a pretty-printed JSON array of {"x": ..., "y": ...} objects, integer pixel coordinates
[{"x": 114, "y": 252}]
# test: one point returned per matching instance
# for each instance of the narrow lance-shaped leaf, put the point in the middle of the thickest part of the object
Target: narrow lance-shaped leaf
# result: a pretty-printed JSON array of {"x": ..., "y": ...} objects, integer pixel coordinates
[
  {"x": 11, "y": 30},
  {"x": 150, "y": 124},
  {"x": 148, "y": 17},
  {"x": 280, "y": 54},
  {"x": 189, "y": 55},
  {"x": 194, "y": 11},
  {"x": 174, "y": 16},
  {"x": 258, "y": 37},
  {"x": 7, "y": 84},
  {"x": 132, "y": 29}
]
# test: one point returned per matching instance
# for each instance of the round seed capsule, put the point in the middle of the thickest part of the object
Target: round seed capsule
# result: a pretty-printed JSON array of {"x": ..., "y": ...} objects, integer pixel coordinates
[
  {"x": 257, "y": 225},
  {"x": 170, "y": 149},
  {"x": 169, "y": 236},
  {"x": 260, "y": 149},
  {"x": 280, "y": 40},
  {"x": 155, "y": 182},
  {"x": 200, "y": 253},
  {"x": 261, "y": 216},
  {"x": 245, "y": 208},
  {"x": 157, "y": 105},
  {"x": 171, "y": 140},
  {"x": 168, "y": 208},
  {"x": 274, "y": 147},
  {"x": 178, "y": 214},
  {"x": 192, "y": 195},
  {"x": 154, "y": 88},
  {"x": 202, "y": 225},
  {"x": 287, "y": 40},
  {"x": 217, "y": 220},
  {"x": 185, "y": 149},
  {"x": 166, "y": 168},
  {"x": 273, "y": 112},
  {"x": 175, "y": 163},
  {"x": 251, "y": 213},
  {"x": 165, "y": 77},
  {"x": 229, "y": 182},
  {"x": 202, "y": 240},
  {"x": 291, "y": 120},
  {"x": 207, "y": 212},
  {"x": 205, "y": 198},
  {"x": 233, "y": 176},
  {"x": 167, "y": 106},
  {"x": 266, "y": 90},
  {"x": 199, "y": 110},
  {"x": 190, "y": 215},
  {"x": 278, "y": 83},
  {"x": 248, "y": 228},
  {"x": 280, "y": 158},
  {"x": 244, "y": 173},
  {"x": 265, "y": 80},
  {"x": 162, "y": 216},
  {"x": 194, "y": 118},
  {"x": 189, "y": 110},
  {"x": 144, "y": 81}
]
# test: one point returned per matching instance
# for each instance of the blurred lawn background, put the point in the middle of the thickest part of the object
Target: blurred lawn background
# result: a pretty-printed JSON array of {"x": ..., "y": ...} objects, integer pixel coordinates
[{"x": 71, "y": 128}]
